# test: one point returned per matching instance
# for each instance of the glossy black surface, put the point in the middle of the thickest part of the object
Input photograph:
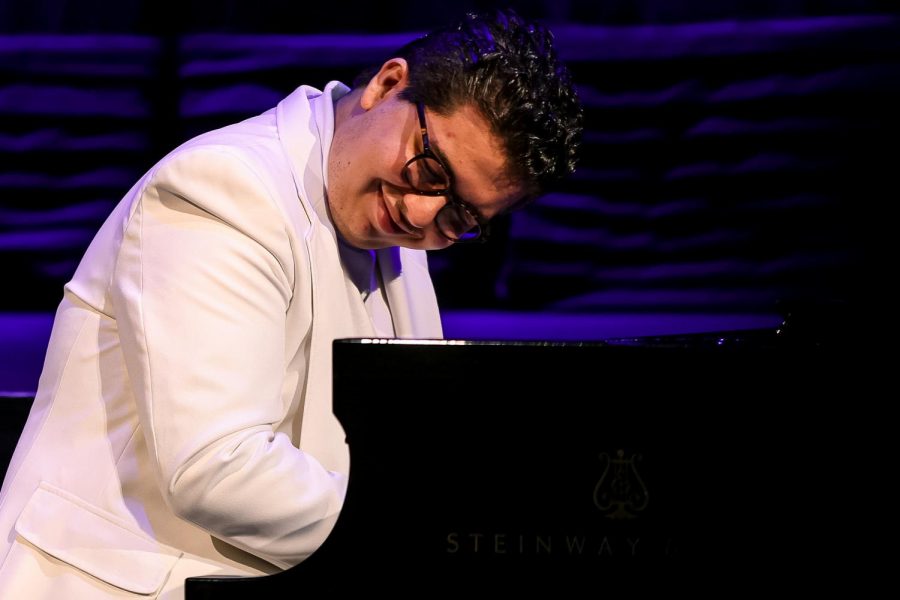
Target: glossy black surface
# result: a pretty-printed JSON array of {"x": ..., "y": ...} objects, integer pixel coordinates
[{"x": 718, "y": 462}]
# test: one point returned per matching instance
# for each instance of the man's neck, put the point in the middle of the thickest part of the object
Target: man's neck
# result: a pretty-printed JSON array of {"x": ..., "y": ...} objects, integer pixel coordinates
[{"x": 345, "y": 106}]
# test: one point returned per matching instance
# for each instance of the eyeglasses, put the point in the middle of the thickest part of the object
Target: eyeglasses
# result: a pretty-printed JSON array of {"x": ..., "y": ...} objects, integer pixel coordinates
[{"x": 427, "y": 175}]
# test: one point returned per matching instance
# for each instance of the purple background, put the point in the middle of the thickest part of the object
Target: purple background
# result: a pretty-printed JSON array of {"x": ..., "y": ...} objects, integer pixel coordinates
[{"x": 730, "y": 169}]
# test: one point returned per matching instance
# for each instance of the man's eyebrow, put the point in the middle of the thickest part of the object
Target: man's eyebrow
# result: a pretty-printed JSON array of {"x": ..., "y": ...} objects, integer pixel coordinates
[{"x": 440, "y": 154}]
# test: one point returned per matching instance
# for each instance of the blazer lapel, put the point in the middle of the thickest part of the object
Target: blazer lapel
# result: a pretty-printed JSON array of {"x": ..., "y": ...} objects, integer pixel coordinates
[
  {"x": 404, "y": 272},
  {"x": 327, "y": 292}
]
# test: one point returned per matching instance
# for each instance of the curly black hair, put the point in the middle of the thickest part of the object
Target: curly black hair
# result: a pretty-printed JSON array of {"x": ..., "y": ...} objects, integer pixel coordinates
[{"x": 507, "y": 68}]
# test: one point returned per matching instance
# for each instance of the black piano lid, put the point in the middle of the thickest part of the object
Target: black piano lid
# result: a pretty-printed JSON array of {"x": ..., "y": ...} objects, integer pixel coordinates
[{"x": 724, "y": 462}]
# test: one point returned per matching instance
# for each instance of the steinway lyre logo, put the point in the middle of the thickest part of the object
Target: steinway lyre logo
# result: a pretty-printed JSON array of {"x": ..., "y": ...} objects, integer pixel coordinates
[{"x": 620, "y": 493}]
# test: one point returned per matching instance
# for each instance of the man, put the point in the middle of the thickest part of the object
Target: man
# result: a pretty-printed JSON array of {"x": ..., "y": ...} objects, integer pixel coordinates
[{"x": 183, "y": 420}]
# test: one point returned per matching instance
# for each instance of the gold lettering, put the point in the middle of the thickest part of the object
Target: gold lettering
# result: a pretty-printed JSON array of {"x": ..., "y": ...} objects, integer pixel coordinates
[
  {"x": 572, "y": 543},
  {"x": 575, "y": 542},
  {"x": 605, "y": 546},
  {"x": 633, "y": 545}
]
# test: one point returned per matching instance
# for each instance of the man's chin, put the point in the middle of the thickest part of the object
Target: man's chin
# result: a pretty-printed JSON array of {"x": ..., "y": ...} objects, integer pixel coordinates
[
  {"x": 362, "y": 242},
  {"x": 374, "y": 239}
]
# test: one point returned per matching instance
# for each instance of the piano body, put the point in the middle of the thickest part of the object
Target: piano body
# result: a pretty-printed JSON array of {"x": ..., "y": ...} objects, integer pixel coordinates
[{"x": 715, "y": 462}]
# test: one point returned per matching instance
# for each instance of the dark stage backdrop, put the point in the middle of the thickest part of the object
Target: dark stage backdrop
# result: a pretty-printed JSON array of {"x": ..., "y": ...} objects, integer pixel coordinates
[
  {"x": 736, "y": 165},
  {"x": 729, "y": 160},
  {"x": 738, "y": 155}
]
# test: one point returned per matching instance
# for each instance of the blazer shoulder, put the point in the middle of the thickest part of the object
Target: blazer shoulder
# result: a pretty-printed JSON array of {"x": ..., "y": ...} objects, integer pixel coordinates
[
  {"x": 241, "y": 187},
  {"x": 255, "y": 142}
]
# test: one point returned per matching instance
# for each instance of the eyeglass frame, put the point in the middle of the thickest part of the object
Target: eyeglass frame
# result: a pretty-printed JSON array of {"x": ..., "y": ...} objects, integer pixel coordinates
[{"x": 452, "y": 200}]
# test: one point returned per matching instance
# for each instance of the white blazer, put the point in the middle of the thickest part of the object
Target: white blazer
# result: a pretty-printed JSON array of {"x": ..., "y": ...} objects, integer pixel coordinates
[{"x": 183, "y": 422}]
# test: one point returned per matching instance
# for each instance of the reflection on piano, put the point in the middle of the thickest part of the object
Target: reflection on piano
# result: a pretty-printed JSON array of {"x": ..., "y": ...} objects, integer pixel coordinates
[{"x": 717, "y": 462}]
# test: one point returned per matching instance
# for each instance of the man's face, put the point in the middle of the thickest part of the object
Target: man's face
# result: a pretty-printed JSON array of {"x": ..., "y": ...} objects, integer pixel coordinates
[{"x": 376, "y": 133}]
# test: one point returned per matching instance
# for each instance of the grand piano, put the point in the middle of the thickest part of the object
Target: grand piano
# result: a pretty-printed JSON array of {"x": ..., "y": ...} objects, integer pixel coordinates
[{"x": 723, "y": 463}]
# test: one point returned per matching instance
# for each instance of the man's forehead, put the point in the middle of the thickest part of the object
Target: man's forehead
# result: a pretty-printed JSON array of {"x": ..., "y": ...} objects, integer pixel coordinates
[{"x": 463, "y": 139}]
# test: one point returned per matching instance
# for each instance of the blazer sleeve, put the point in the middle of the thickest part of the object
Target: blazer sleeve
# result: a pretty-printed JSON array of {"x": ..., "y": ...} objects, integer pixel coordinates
[{"x": 200, "y": 291}]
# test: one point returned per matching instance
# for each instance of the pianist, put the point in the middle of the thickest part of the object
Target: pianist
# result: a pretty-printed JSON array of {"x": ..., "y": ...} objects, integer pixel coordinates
[{"x": 183, "y": 423}]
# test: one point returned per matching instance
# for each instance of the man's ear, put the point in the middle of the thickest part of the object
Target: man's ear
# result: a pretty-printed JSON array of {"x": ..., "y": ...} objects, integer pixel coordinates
[{"x": 392, "y": 76}]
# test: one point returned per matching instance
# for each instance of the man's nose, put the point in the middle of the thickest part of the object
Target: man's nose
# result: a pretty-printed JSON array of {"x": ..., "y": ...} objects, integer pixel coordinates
[{"x": 420, "y": 211}]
